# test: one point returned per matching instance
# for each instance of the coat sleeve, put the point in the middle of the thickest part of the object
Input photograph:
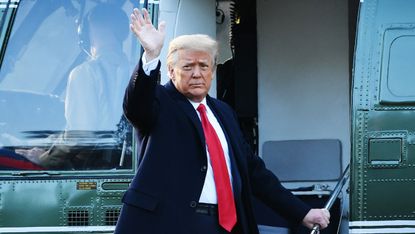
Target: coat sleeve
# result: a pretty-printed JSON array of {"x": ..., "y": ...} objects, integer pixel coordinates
[
  {"x": 140, "y": 103},
  {"x": 268, "y": 188},
  {"x": 263, "y": 184}
]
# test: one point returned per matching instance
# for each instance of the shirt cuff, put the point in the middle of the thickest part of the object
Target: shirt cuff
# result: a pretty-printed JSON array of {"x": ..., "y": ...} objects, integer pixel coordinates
[{"x": 150, "y": 65}]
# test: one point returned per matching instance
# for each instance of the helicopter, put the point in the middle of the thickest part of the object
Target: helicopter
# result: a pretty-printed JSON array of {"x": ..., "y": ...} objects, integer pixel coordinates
[{"x": 318, "y": 87}]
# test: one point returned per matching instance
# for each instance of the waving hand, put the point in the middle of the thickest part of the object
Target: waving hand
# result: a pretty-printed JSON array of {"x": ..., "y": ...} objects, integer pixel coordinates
[{"x": 151, "y": 39}]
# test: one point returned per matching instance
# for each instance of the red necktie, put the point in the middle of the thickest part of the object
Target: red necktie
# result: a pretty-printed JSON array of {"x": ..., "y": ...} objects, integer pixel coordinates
[{"x": 226, "y": 204}]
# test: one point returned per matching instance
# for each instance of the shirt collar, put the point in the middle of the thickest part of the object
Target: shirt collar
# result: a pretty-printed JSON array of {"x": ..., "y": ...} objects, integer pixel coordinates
[{"x": 196, "y": 104}]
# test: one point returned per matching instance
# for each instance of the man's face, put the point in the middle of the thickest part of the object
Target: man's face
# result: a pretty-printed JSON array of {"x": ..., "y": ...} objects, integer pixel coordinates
[{"x": 192, "y": 74}]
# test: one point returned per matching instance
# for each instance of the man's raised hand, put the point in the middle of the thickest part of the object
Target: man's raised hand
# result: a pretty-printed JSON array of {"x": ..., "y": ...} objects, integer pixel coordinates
[{"x": 151, "y": 39}]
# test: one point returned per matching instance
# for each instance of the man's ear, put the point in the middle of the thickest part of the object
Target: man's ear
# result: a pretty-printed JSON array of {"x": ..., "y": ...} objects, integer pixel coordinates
[{"x": 170, "y": 72}]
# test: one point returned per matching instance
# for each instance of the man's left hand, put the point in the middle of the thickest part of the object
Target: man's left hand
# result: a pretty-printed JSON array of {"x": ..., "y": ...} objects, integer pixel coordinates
[{"x": 317, "y": 216}]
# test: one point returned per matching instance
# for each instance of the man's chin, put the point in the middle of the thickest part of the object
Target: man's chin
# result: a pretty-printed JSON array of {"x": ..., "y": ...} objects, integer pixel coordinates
[{"x": 197, "y": 96}]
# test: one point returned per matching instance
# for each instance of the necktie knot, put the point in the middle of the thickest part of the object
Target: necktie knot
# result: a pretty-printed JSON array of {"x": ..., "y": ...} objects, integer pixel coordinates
[{"x": 201, "y": 108}]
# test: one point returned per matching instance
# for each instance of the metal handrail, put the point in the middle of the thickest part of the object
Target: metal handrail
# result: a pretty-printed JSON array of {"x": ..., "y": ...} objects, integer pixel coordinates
[{"x": 333, "y": 196}]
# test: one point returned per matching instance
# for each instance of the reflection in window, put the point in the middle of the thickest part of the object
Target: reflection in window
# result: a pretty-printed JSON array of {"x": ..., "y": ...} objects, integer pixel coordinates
[{"x": 62, "y": 83}]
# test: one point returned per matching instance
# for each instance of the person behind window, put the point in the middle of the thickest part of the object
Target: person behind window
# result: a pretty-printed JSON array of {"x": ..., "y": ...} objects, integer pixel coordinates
[
  {"x": 95, "y": 88},
  {"x": 94, "y": 94}
]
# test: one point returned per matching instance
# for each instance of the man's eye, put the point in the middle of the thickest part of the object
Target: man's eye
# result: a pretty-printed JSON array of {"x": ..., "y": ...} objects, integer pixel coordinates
[{"x": 187, "y": 68}]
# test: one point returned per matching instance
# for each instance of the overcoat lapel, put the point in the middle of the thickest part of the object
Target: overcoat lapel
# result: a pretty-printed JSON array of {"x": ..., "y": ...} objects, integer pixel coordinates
[
  {"x": 236, "y": 164},
  {"x": 224, "y": 122},
  {"x": 188, "y": 109}
]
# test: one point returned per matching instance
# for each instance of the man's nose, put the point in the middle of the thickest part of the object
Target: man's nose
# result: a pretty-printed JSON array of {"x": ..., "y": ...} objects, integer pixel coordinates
[{"x": 197, "y": 71}]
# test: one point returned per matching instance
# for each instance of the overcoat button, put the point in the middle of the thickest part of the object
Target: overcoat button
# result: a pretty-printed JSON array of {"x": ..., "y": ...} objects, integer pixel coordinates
[
  {"x": 193, "y": 204},
  {"x": 203, "y": 169}
]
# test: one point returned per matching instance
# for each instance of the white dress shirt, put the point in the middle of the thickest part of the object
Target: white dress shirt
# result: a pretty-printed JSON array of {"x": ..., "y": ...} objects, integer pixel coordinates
[{"x": 208, "y": 194}]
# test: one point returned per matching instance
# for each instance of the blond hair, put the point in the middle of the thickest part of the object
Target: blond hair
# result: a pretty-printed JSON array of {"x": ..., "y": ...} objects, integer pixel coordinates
[{"x": 196, "y": 42}]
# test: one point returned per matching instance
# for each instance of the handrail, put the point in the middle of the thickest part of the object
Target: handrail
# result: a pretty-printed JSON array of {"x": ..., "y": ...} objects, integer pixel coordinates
[{"x": 333, "y": 196}]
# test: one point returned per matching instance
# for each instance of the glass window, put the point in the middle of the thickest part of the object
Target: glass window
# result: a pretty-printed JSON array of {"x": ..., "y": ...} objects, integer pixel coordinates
[
  {"x": 398, "y": 66},
  {"x": 62, "y": 82}
]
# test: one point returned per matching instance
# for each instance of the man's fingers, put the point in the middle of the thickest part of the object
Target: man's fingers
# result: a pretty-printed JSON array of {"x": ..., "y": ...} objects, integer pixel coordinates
[
  {"x": 319, "y": 217},
  {"x": 162, "y": 27},
  {"x": 326, "y": 222},
  {"x": 135, "y": 23},
  {"x": 327, "y": 215},
  {"x": 146, "y": 15},
  {"x": 138, "y": 17},
  {"x": 132, "y": 28},
  {"x": 325, "y": 218}
]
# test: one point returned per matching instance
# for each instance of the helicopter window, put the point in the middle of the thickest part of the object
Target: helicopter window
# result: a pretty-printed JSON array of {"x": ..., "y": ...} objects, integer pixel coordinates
[
  {"x": 62, "y": 81},
  {"x": 398, "y": 66},
  {"x": 386, "y": 151}
]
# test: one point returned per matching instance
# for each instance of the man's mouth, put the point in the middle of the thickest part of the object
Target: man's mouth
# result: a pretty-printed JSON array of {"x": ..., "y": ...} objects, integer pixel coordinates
[{"x": 196, "y": 85}]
